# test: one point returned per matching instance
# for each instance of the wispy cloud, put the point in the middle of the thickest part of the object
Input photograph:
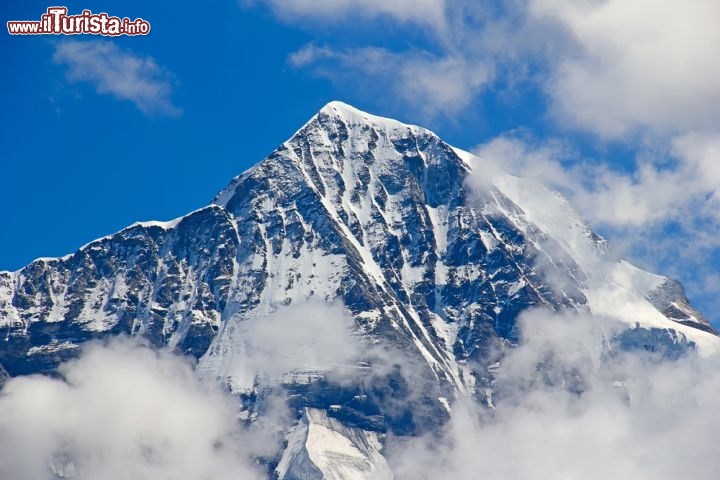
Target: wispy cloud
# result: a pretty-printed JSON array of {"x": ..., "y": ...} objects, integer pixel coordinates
[
  {"x": 427, "y": 12},
  {"x": 121, "y": 73},
  {"x": 447, "y": 84},
  {"x": 465, "y": 53}
]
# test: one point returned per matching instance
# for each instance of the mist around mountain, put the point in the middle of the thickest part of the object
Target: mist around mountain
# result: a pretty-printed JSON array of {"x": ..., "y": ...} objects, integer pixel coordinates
[{"x": 367, "y": 302}]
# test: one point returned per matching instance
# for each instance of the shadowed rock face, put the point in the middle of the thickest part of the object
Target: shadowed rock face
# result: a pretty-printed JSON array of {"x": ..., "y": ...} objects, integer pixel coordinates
[
  {"x": 353, "y": 207},
  {"x": 669, "y": 297},
  {"x": 168, "y": 284}
]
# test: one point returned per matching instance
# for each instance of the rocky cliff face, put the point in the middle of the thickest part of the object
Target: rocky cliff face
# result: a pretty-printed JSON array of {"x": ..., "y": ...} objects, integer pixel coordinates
[{"x": 432, "y": 256}]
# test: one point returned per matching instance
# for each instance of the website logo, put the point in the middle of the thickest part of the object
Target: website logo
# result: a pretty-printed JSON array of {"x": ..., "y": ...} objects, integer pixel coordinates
[{"x": 56, "y": 21}]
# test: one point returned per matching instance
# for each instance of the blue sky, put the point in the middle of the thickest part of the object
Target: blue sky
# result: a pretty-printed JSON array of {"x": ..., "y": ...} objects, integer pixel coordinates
[{"x": 615, "y": 103}]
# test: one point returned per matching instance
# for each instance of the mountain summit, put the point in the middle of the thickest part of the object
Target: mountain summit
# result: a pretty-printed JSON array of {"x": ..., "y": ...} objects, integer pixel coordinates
[{"x": 431, "y": 254}]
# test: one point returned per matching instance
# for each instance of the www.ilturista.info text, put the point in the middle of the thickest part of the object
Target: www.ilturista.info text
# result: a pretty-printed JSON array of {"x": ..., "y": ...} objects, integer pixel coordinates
[{"x": 57, "y": 22}]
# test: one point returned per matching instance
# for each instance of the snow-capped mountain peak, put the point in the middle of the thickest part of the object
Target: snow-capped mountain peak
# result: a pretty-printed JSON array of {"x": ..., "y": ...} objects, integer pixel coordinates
[
  {"x": 432, "y": 257},
  {"x": 352, "y": 116}
]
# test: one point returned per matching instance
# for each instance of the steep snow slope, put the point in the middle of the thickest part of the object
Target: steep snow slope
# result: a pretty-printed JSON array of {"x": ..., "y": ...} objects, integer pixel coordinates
[{"x": 320, "y": 447}]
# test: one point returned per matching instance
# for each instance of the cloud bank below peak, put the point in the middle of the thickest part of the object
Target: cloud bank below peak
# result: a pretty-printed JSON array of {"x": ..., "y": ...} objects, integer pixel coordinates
[
  {"x": 566, "y": 407},
  {"x": 124, "y": 410}
]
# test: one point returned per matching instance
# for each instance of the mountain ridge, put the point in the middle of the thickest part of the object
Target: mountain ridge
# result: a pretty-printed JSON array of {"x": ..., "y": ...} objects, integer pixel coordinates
[{"x": 335, "y": 111}]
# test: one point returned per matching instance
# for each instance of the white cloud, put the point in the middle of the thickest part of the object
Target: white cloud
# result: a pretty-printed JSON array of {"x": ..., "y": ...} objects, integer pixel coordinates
[
  {"x": 467, "y": 49},
  {"x": 303, "y": 337},
  {"x": 121, "y": 73},
  {"x": 303, "y": 342},
  {"x": 699, "y": 154},
  {"x": 636, "y": 417},
  {"x": 428, "y": 12},
  {"x": 637, "y": 65},
  {"x": 123, "y": 411},
  {"x": 605, "y": 196},
  {"x": 431, "y": 84},
  {"x": 678, "y": 181}
]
